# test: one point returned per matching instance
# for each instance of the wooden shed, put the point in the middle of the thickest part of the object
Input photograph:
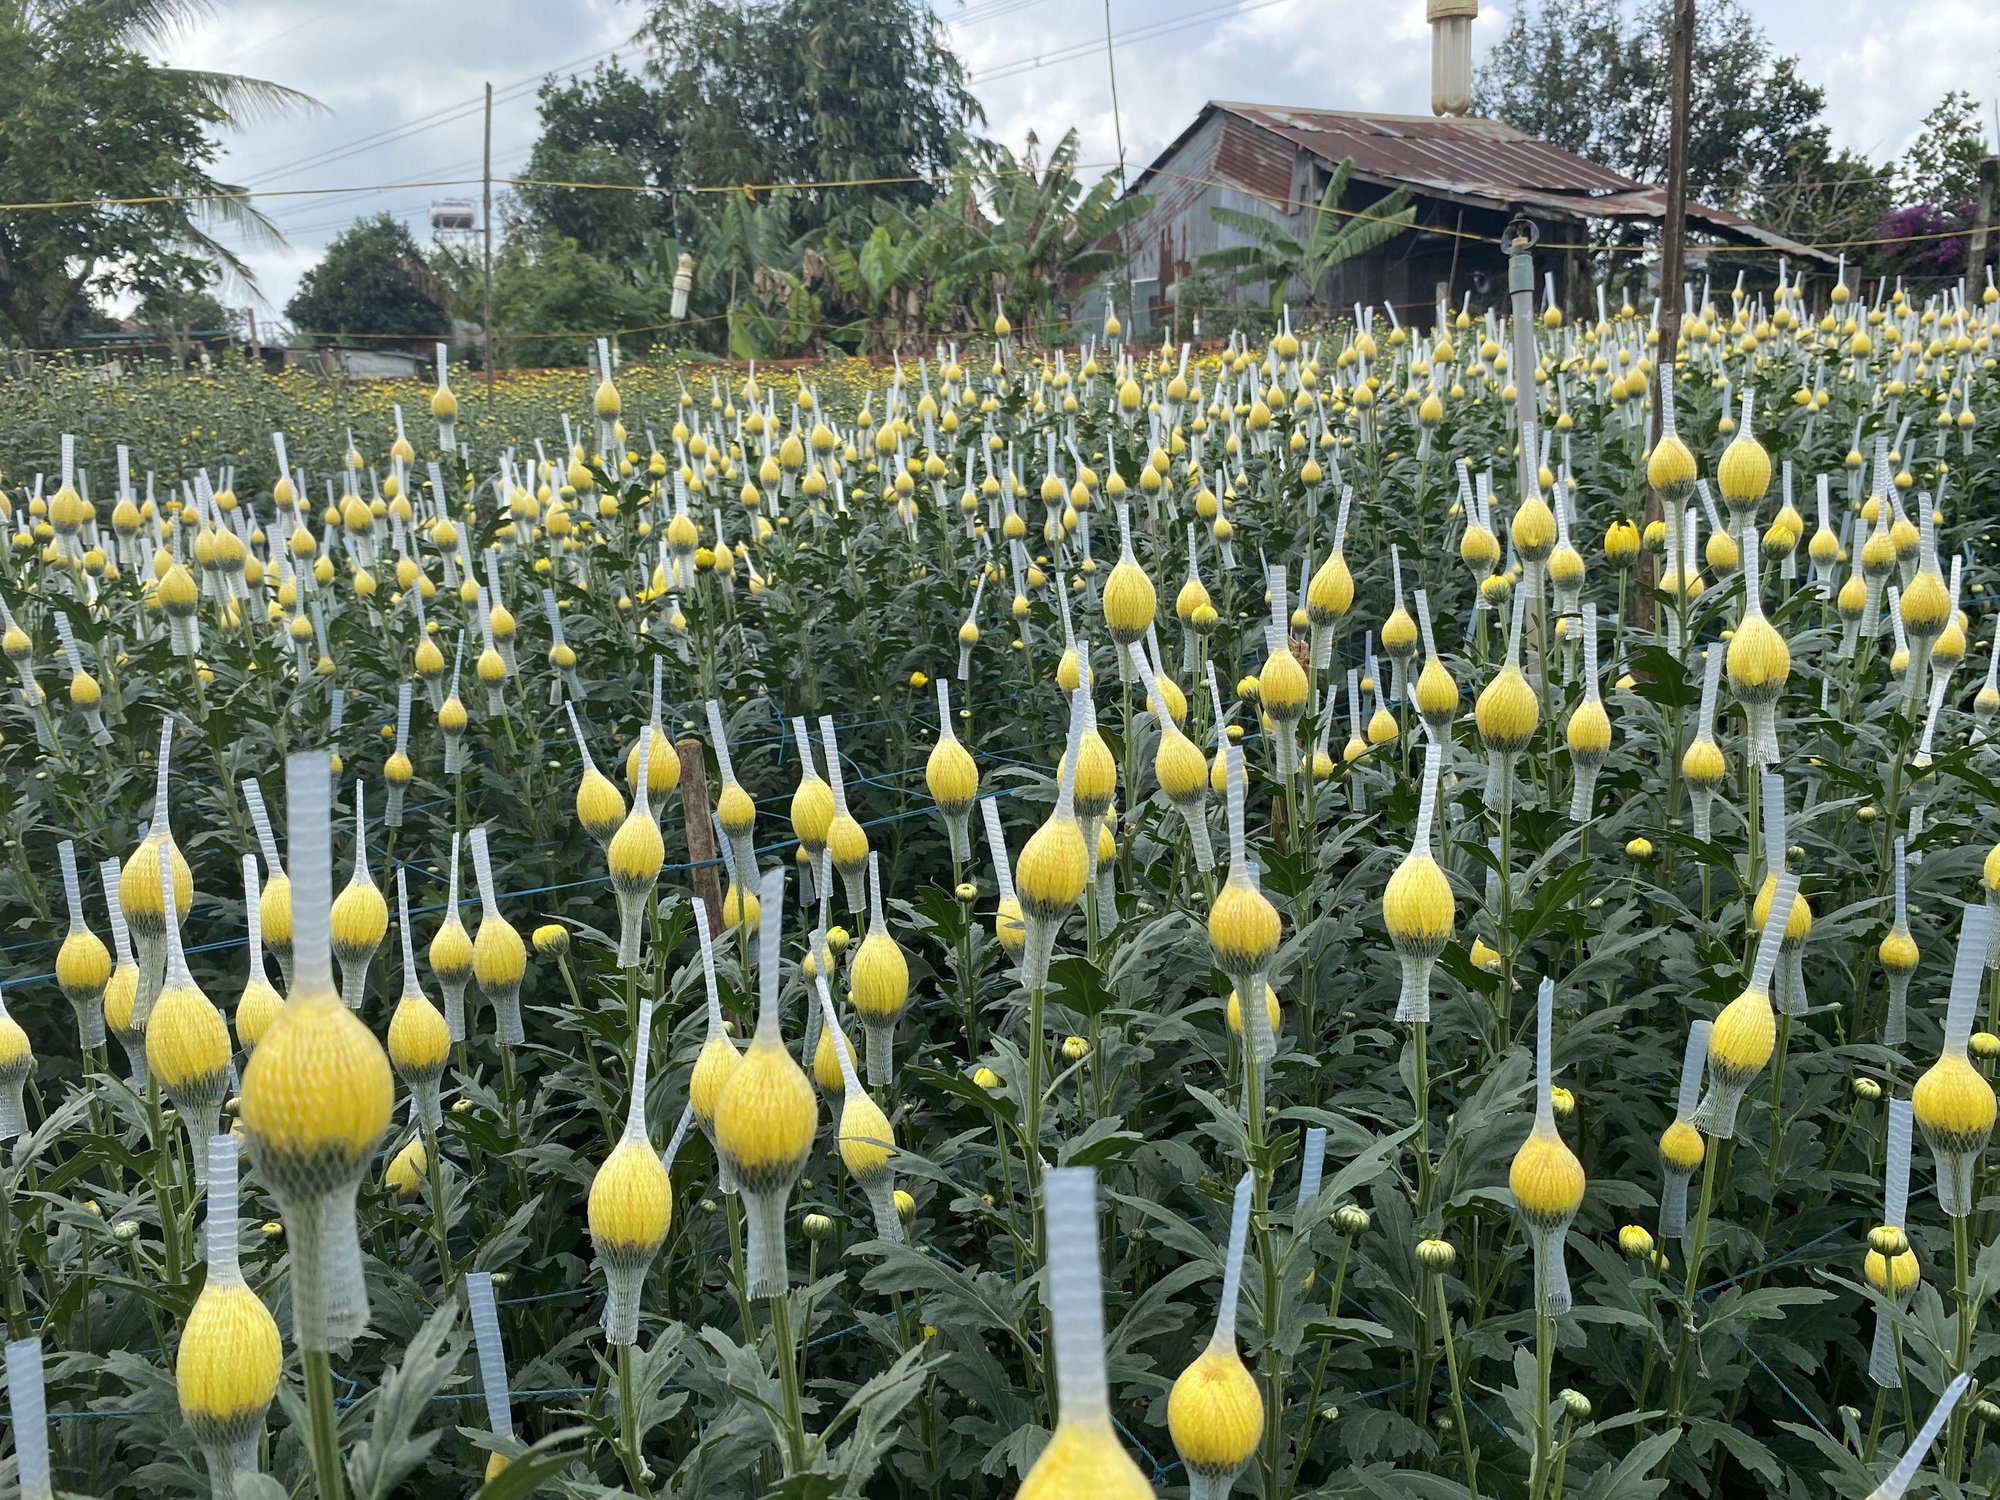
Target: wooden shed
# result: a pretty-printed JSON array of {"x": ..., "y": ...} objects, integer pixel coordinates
[{"x": 1469, "y": 177}]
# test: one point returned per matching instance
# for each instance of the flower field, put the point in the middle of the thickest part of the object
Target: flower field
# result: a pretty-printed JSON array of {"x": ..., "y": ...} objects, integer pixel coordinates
[{"x": 683, "y": 935}]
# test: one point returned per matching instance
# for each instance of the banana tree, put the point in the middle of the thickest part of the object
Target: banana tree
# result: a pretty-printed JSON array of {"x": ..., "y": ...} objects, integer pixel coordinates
[
  {"x": 885, "y": 280},
  {"x": 1277, "y": 257},
  {"x": 1041, "y": 235},
  {"x": 747, "y": 265}
]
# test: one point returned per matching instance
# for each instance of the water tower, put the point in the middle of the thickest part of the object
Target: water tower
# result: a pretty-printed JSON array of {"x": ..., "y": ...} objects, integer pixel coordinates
[{"x": 454, "y": 222}]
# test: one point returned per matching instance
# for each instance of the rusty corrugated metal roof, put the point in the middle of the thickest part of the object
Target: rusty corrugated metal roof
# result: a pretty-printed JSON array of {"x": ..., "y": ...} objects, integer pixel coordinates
[
  {"x": 1254, "y": 158},
  {"x": 1480, "y": 157},
  {"x": 1484, "y": 161}
]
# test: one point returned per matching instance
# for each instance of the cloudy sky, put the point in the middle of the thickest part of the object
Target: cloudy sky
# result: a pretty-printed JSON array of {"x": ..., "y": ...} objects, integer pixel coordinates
[{"x": 401, "y": 82}]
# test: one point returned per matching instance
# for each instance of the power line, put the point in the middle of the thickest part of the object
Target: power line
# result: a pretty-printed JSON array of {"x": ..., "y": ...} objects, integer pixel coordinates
[
  {"x": 993, "y": 10},
  {"x": 1151, "y": 31},
  {"x": 262, "y": 42},
  {"x": 328, "y": 158},
  {"x": 456, "y": 110},
  {"x": 452, "y": 170}
]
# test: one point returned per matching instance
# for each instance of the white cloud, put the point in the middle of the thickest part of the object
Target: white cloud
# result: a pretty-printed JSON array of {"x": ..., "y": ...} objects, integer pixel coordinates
[
  {"x": 378, "y": 66},
  {"x": 1884, "y": 66}
]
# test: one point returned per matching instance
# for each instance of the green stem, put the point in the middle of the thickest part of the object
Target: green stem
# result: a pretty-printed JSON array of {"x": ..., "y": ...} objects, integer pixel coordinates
[
  {"x": 1875, "y": 1424},
  {"x": 1272, "y": 1361},
  {"x": 739, "y": 1276},
  {"x": 1538, "y": 1480},
  {"x": 1419, "y": 1045},
  {"x": 1465, "y": 1453},
  {"x": 629, "y": 1438},
  {"x": 163, "y": 1182},
  {"x": 1961, "y": 1283},
  {"x": 1697, "y": 1246},
  {"x": 1503, "y": 937},
  {"x": 440, "y": 1231},
  {"x": 322, "y": 1436},
  {"x": 1777, "y": 1120},
  {"x": 1319, "y": 1374},
  {"x": 1032, "y": 1131},
  {"x": 788, "y": 1378}
]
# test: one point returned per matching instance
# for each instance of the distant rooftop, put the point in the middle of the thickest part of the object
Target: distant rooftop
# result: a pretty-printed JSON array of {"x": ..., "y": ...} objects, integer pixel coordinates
[{"x": 1484, "y": 163}]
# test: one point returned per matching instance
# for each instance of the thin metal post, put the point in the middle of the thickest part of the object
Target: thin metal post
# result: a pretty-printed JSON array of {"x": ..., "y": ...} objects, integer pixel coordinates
[
  {"x": 1673, "y": 233},
  {"x": 487, "y": 256}
]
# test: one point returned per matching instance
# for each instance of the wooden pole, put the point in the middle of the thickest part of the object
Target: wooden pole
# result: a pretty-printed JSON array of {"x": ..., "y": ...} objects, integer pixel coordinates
[
  {"x": 487, "y": 255},
  {"x": 700, "y": 832},
  {"x": 1982, "y": 225},
  {"x": 1673, "y": 233}
]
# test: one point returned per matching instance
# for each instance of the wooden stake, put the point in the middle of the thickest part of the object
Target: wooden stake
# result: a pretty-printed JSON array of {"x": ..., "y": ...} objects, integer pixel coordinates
[
  {"x": 700, "y": 831},
  {"x": 1982, "y": 225}
]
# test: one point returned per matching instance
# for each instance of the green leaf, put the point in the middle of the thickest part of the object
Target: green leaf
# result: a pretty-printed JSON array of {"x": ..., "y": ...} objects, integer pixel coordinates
[
  {"x": 1080, "y": 987},
  {"x": 1102, "y": 1144},
  {"x": 393, "y": 1449},
  {"x": 1744, "y": 1448},
  {"x": 526, "y": 1472},
  {"x": 872, "y": 1411},
  {"x": 1631, "y": 1478}
]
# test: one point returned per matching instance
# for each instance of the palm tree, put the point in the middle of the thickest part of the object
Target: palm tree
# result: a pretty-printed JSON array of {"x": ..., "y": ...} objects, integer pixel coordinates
[
  {"x": 1041, "y": 234},
  {"x": 86, "y": 117},
  {"x": 1273, "y": 256}
]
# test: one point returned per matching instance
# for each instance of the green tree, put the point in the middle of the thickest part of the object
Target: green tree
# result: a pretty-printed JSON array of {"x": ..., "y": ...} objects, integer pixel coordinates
[
  {"x": 754, "y": 92},
  {"x": 881, "y": 96},
  {"x": 373, "y": 281},
  {"x": 1594, "y": 79},
  {"x": 751, "y": 269},
  {"x": 1278, "y": 258},
  {"x": 1530, "y": 79},
  {"x": 610, "y": 127},
  {"x": 547, "y": 285},
  {"x": 192, "y": 307},
  {"x": 87, "y": 116},
  {"x": 1822, "y": 195},
  {"x": 1942, "y": 165}
]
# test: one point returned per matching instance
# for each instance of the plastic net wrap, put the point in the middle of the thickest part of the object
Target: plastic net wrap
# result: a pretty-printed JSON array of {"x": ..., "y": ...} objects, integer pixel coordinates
[
  {"x": 499, "y": 957},
  {"x": 450, "y": 953},
  {"x": 230, "y": 1355},
  {"x": 1953, "y": 1102},
  {"x": 419, "y": 1039},
  {"x": 1681, "y": 1146},
  {"x": 318, "y": 1091},
  {"x": 187, "y": 1044},
  {"x": 1740, "y": 1042},
  {"x": 360, "y": 916},
  {"x": 83, "y": 963},
  {"x": 631, "y": 1203},
  {"x": 1546, "y": 1179},
  {"x": 767, "y": 1113}
]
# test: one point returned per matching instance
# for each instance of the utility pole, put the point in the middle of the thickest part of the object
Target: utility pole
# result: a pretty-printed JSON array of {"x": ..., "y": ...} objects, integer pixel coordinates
[
  {"x": 1982, "y": 224},
  {"x": 256, "y": 343},
  {"x": 1673, "y": 233},
  {"x": 487, "y": 256}
]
